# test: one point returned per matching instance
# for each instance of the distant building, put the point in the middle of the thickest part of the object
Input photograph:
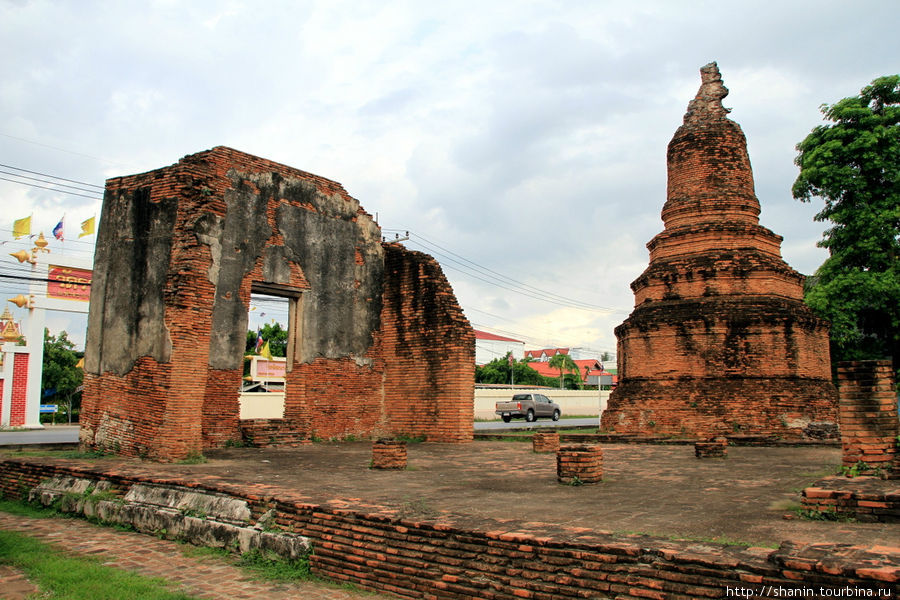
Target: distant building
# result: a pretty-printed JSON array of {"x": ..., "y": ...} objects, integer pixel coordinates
[
  {"x": 546, "y": 354},
  {"x": 591, "y": 371},
  {"x": 489, "y": 346}
]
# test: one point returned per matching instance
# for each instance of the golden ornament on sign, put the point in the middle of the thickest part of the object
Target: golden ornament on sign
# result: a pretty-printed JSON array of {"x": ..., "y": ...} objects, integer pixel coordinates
[
  {"x": 21, "y": 301},
  {"x": 21, "y": 255}
]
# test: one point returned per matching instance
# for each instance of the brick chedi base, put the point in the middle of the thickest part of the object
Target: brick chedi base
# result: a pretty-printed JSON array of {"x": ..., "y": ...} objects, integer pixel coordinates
[
  {"x": 545, "y": 442},
  {"x": 388, "y": 454},
  {"x": 869, "y": 423},
  {"x": 717, "y": 448},
  {"x": 720, "y": 340},
  {"x": 579, "y": 464}
]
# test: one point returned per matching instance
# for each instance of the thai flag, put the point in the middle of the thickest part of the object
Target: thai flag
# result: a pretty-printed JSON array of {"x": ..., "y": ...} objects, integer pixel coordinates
[
  {"x": 259, "y": 341},
  {"x": 58, "y": 230}
]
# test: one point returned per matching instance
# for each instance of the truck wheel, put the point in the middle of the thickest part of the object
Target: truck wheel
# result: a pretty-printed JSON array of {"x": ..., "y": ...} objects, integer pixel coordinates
[
  {"x": 556, "y": 415},
  {"x": 529, "y": 416},
  {"x": 506, "y": 419}
]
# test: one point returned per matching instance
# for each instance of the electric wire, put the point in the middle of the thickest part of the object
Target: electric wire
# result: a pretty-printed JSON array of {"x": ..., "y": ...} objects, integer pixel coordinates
[
  {"x": 477, "y": 271},
  {"x": 43, "y": 187},
  {"x": 93, "y": 185}
]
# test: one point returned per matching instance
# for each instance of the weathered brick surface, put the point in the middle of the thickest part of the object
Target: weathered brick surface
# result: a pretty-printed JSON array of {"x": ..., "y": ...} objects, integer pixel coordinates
[
  {"x": 867, "y": 499},
  {"x": 869, "y": 423},
  {"x": 545, "y": 441},
  {"x": 386, "y": 351},
  {"x": 720, "y": 340},
  {"x": 717, "y": 448},
  {"x": 389, "y": 454},
  {"x": 444, "y": 559}
]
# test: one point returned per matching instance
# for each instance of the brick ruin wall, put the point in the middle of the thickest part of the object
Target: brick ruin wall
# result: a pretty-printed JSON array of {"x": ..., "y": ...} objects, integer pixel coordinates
[
  {"x": 870, "y": 428},
  {"x": 452, "y": 557},
  {"x": 720, "y": 340},
  {"x": 179, "y": 252}
]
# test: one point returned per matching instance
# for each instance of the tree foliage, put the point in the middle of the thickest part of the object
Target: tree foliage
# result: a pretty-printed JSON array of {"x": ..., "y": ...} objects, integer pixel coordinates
[
  {"x": 566, "y": 365},
  {"x": 60, "y": 377},
  {"x": 498, "y": 370},
  {"x": 272, "y": 333},
  {"x": 853, "y": 164}
]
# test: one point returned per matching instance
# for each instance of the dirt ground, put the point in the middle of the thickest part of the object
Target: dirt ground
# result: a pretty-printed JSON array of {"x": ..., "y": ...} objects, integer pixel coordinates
[{"x": 647, "y": 489}]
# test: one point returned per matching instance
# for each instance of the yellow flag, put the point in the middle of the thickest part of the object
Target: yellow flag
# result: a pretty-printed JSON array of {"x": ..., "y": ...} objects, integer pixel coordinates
[
  {"x": 265, "y": 352},
  {"x": 87, "y": 227},
  {"x": 22, "y": 227}
]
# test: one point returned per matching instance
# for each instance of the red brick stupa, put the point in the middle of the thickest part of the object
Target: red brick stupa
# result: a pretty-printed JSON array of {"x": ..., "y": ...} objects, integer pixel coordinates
[{"x": 720, "y": 340}]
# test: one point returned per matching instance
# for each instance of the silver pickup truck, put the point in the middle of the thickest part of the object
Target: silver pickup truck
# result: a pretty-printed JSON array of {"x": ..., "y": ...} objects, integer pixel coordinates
[{"x": 529, "y": 406}]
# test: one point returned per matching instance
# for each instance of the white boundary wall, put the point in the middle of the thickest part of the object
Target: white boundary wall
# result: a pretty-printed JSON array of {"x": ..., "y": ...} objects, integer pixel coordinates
[{"x": 571, "y": 402}]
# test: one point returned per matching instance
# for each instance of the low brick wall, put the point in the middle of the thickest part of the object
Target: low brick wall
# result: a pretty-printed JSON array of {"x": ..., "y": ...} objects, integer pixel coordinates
[
  {"x": 446, "y": 559},
  {"x": 545, "y": 442},
  {"x": 579, "y": 464},
  {"x": 388, "y": 454},
  {"x": 867, "y": 499}
]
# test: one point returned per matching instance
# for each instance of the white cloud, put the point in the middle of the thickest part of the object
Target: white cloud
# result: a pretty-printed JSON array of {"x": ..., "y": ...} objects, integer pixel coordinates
[{"x": 527, "y": 137}]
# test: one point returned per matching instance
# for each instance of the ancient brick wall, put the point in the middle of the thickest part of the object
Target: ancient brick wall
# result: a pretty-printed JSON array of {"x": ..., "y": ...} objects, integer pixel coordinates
[
  {"x": 869, "y": 423},
  {"x": 720, "y": 340},
  {"x": 466, "y": 558},
  {"x": 429, "y": 350},
  {"x": 19, "y": 396},
  {"x": 181, "y": 249}
]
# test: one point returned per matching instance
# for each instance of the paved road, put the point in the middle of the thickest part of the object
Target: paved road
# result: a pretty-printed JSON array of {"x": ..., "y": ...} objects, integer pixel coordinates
[
  {"x": 61, "y": 434},
  {"x": 521, "y": 424},
  {"x": 58, "y": 434}
]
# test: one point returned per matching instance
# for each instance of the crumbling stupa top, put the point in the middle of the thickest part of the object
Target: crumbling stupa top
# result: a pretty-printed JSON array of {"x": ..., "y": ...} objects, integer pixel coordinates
[{"x": 707, "y": 104}]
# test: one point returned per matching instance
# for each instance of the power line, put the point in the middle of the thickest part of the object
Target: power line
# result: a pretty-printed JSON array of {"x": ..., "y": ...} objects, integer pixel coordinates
[
  {"x": 93, "y": 185},
  {"x": 43, "y": 187},
  {"x": 477, "y": 271}
]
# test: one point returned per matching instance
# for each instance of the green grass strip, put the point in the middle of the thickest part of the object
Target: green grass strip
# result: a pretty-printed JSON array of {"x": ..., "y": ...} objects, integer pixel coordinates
[{"x": 66, "y": 577}]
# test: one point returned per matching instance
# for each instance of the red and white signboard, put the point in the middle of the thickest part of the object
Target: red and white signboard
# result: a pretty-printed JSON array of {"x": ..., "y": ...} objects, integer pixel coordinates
[{"x": 69, "y": 283}]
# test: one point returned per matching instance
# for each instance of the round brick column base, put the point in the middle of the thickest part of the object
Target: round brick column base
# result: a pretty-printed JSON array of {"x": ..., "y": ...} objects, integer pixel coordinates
[
  {"x": 388, "y": 454},
  {"x": 579, "y": 464}
]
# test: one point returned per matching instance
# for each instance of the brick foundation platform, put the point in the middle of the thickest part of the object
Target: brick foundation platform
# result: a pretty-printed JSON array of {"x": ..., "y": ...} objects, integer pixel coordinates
[
  {"x": 388, "y": 454},
  {"x": 717, "y": 448},
  {"x": 545, "y": 442},
  {"x": 450, "y": 557},
  {"x": 867, "y": 499},
  {"x": 263, "y": 433},
  {"x": 578, "y": 464}
]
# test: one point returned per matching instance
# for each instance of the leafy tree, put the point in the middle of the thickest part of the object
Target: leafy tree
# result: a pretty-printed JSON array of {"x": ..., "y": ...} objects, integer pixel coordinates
[
  {"x": 272, "y": 333},
  {"x": 564, "y": 362},
  {"x": 497, "y": 372},
  {"x": 853, "y": 164},
  {"x": 61, "y": 379}
]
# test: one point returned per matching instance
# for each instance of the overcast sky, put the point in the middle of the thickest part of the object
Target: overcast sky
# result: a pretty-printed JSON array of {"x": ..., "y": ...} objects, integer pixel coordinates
[{"x": 525, "y": 138}]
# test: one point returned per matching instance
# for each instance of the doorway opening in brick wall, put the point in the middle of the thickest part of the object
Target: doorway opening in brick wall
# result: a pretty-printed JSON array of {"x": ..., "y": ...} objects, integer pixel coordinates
[{"x": 272, "y": 340}]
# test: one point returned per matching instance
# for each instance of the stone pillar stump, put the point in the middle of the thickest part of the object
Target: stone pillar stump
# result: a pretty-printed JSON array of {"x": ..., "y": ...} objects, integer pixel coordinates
[
  {"x": 388, "y": 454},
  {"x": 545, "y": 442},
  {"x": 714, "y": 448},
  {"x": 579, "y": 464}
]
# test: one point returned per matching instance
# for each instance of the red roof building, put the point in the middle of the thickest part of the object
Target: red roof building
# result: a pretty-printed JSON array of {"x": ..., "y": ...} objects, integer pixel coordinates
[{"x": 490, "y": 346}]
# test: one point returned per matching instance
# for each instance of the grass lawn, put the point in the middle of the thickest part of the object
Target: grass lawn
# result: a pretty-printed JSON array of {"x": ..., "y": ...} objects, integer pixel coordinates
[{"x": 61, "y": 576}]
